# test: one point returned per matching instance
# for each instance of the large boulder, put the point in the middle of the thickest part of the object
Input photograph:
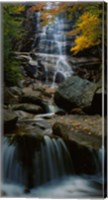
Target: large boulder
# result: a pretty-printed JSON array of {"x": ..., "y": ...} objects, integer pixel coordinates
[
  {"x": 83, "y": 147},
  {"x": 76, "y": 92},
  {"x": 78, "y": 136}
]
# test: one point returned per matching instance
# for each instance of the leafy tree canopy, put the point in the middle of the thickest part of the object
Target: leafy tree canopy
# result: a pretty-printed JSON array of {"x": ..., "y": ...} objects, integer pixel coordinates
[
  {"x": 13, "y": 32},
  {"x": 88, "y": 26}
]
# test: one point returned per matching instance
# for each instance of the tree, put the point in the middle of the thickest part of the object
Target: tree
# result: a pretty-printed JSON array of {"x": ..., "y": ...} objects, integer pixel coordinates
[
  {"x": 13, "y": 32},
  {"x": 88, "y": 17},
  {"x": 88, "y": 32}
]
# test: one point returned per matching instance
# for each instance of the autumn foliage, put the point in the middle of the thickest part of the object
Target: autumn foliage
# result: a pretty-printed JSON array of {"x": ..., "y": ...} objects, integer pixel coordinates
[
  {"x": 87, "y": 29},
  {"x": 88, "y": 32}
]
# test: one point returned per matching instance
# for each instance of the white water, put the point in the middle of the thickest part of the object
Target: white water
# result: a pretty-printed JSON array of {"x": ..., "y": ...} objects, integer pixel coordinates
[
  {"x": 12, "y": 170},
  {"x": 52, "y": 162},
  {"x": 66, "y": 187},
  {"x": 54, "y": 174},
  {"x": 52, "y": 40}
]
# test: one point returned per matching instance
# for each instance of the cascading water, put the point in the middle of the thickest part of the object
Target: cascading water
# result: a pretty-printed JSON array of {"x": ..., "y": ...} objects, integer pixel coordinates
[
  {"x": 51, "y": 162},
  {"x": 53, "y": 172},
  {"x": 52, "y": 41},
  {"x": 12, "y": 169}
]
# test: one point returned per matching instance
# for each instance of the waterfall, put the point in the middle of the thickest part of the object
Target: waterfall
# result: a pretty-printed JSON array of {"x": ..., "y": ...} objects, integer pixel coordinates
[
  {"x": 53, "y": 171},
  {"x": 52, "y": 41},
  {"x": 53, "y": 161},
  {"x": 12, "y": 169},
  {"x": 50, "y": 162}
]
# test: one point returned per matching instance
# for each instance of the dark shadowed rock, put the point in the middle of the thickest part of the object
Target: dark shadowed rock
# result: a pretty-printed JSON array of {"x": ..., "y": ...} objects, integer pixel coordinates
[
  {"x": 97, "y": 102},
  {"x": 60, "y": 130},
  {"x": 9, "y": 96},
  {"x": 76, "y": 93},
  {"x": 83, "y": 147},
  {"x": 59, "y": 77},
  {"x": 10, "y": 120}
]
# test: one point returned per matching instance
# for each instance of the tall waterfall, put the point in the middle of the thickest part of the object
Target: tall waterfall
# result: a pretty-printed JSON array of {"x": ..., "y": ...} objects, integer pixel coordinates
[{"x": 51, "y": 44}]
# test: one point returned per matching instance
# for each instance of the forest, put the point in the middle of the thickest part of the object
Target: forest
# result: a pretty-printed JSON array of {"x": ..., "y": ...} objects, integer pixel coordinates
[{"x": 54, "y": 85}]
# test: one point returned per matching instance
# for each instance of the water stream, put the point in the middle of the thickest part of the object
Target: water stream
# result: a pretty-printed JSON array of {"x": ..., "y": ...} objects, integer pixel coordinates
[
  {"x": 51, "y": 171},
  {"x": 54, "y": 174},
  {"x": 52, "y": 41}
]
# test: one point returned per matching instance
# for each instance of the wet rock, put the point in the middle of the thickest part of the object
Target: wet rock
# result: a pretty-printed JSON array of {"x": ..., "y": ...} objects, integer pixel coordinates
[
  {"x": 10, "y": 120},
  {"x": 27, "y": 190},
  {"x": 84, "y": 158},
  {"x": 60, "y": 130},
  {"x": 76, "y": 92},
  {"x": 31, "y": 108},
  {"x": 3, "y": 193},
  {"x": 59, "y": 77}
]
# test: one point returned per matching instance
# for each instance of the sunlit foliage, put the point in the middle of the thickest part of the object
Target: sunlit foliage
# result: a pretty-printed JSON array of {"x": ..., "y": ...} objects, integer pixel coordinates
[
  {"x": 88, "y": 31},
  {"x": 88, "y": 17}
]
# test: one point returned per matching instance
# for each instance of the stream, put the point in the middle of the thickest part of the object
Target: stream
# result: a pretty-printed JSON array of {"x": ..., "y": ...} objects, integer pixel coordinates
[
  {"x": 46, "y": 169},
  {"x": 53, "y": 173}
]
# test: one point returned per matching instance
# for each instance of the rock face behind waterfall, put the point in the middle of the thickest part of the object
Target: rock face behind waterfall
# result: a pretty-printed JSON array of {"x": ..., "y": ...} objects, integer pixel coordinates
[{"x": 79, "y": 93}]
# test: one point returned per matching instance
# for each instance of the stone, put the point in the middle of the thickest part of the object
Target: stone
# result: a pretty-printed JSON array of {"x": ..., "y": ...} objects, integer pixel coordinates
[
  {"x": 34, "y": 97},
  {"x": 60, "y": 130},
  {"x": 82, "y": 146},
  {"x": 10, "y": 120},
  {"x": 97, "y": 102},
  {"x": 79, "y": 137},
  {"x": 33, "y": 127},
  {"x": 9, "y": 97},
  {"x": 75, "y": 92},
  {"x": 31, "y": 108},
  {"x": 59, "y": 77},
  {"x": 16, "y": 90}
]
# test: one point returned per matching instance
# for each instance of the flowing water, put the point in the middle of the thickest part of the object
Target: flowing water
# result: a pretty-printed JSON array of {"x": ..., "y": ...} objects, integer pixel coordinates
[
  {"x": 53, "y": 172},
  {"x": 53, "y": 175},
  {"x": 51, "y": 40}
]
